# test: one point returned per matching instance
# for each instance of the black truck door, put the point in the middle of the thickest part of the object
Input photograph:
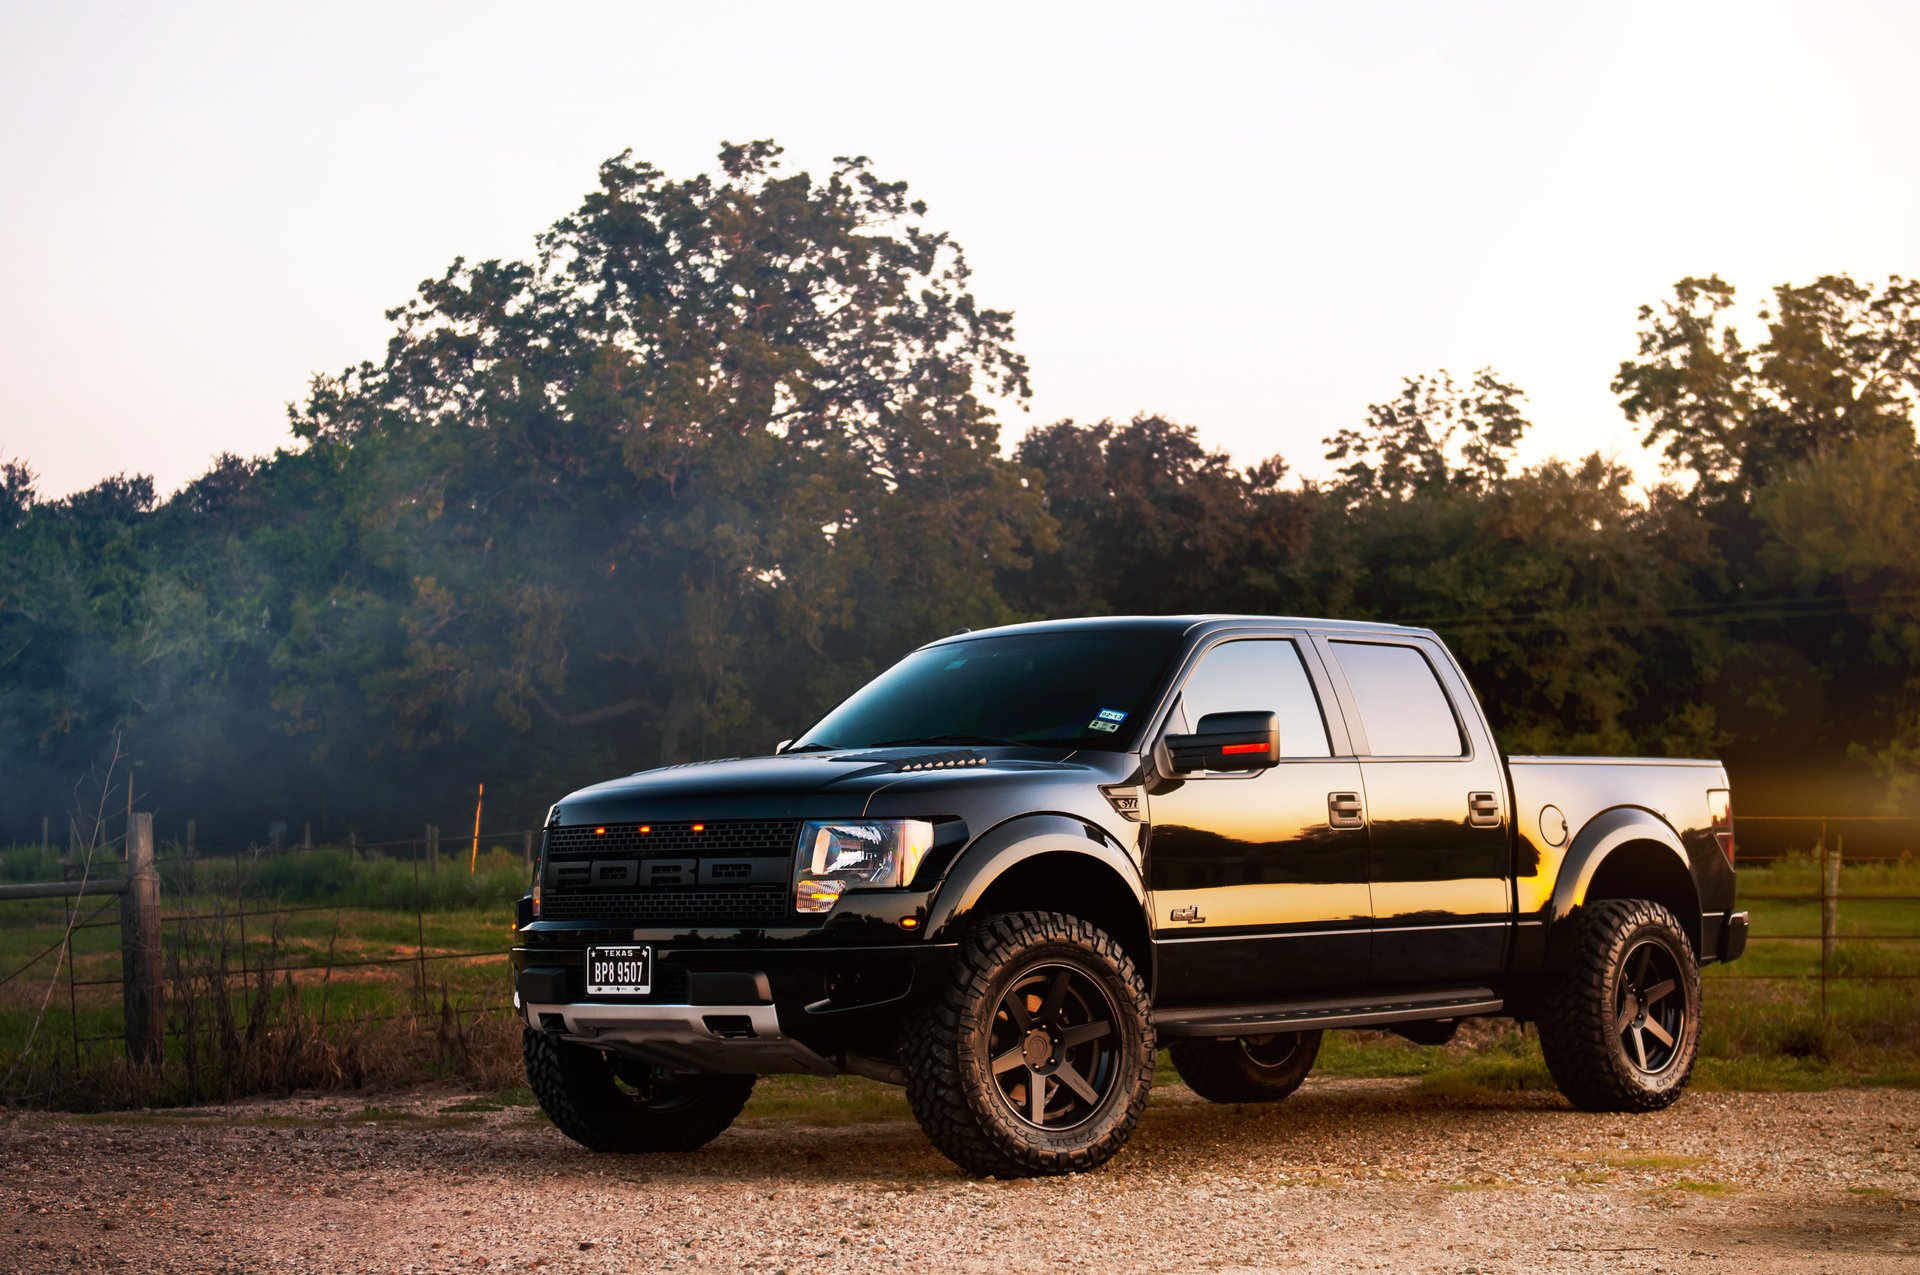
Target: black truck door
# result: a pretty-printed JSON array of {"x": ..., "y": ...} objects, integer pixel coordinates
[
  {"x": 1436, "y": 803},
  {"x": 1259, "y": 881}
]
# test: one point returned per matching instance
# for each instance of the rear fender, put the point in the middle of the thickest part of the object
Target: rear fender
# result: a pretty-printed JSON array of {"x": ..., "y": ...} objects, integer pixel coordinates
[{"x": 1607, "y": 834}]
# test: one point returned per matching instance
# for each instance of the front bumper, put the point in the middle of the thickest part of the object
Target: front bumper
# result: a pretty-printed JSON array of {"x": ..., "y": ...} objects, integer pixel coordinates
[
  {"x": 743, "y": 1039},
  {"x": 723, "y": 1008}
]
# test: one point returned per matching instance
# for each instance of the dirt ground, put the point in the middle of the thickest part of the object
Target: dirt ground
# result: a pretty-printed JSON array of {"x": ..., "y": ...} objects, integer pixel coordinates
[{"x": 1346, "y": 1175}]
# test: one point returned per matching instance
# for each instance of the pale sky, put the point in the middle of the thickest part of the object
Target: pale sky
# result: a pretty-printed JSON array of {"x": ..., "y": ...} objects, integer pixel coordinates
[{"x": 1253, "y": 218}]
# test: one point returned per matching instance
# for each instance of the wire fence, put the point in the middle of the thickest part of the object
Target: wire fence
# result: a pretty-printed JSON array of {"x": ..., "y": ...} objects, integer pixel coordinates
[
  {"x": 256, "y": 926},
  {"x": 1881, "y": 900},
  {"x": 251, "y": 909}
]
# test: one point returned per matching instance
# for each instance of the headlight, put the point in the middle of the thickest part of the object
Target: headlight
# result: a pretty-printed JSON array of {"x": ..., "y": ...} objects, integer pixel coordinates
[{"x": 858, "y": 854}]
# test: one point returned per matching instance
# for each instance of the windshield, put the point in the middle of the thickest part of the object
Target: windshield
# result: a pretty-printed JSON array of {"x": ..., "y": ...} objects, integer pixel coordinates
[{"x": 1051, "y": 690}]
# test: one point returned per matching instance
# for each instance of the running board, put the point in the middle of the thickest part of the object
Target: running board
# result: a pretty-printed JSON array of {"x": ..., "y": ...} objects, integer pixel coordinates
[{"x": 1253, "y": 1020}]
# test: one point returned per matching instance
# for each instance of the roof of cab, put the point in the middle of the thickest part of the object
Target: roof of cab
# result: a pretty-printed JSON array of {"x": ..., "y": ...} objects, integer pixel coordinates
[{"x": 1179, "y": 624}]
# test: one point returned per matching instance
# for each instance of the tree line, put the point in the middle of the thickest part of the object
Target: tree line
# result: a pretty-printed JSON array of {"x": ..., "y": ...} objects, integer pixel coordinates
[{"x": 723, "y": 448}]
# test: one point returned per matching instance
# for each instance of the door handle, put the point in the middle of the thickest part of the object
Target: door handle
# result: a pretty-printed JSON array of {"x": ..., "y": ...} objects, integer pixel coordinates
[
  {"x": 1344, "y": 810},
  {"x": 1483, "y": 810}
]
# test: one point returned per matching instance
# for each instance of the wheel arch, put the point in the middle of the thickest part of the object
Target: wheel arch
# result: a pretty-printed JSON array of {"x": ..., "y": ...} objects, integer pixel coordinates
[
  {"x": 1625, "y": 853},
  {"x": 1047, "y": 863}
]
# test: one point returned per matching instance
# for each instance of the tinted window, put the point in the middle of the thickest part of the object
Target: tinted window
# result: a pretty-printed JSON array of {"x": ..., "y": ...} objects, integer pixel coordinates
[
  {"x": 1402, "y": 707},
  {"x": 1259, "y": 677},
  {"x": 1060, "y": 690}
]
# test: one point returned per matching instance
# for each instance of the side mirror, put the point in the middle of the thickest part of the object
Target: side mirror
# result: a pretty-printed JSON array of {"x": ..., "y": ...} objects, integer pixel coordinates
[{"x": 1228, "y": 741}]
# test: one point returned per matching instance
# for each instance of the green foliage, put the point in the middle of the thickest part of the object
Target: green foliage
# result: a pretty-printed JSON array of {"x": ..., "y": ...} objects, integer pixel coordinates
[
  {"x": 335, "y": 875},
  {"x": 722, "y": 448}
]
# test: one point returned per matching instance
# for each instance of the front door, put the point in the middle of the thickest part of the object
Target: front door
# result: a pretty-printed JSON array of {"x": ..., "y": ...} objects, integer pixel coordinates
[{"x": 1259, "y": 881}]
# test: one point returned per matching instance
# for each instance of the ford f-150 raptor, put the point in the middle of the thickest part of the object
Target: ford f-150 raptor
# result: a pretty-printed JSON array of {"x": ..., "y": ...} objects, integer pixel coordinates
[{"x": 1015, "y": 863}]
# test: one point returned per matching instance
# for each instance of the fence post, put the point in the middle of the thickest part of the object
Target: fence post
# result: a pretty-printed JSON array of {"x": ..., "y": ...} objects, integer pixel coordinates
[
  {"x": 193, "y": 829},
  {"x": 140, "y": 947},
  {"x": 526, "y": 848},
  {"x": 306, "y": 835},
  {"x": 353, "y": 845},
  {"x": 46, "y": 831},
  {"x": 1829, "y": 913},
  {"x": 433, "y": 850}
]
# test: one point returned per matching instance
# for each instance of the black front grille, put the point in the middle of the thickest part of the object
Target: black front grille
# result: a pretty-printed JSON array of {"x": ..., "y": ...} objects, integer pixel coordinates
[
  {"x": 729, "y": 837},
  {"x": 742, "y": 905}
]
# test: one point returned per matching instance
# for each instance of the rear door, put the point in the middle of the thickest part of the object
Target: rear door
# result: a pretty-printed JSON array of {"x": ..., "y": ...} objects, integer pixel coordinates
[
  {"x": 1436, "y": 802},
  {"x": 1259, "y": 881}
]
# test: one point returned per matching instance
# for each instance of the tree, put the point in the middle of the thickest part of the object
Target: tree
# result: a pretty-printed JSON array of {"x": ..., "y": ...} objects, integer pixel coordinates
[
  {"x": 1148, "y": 520},
  {"x": 715, "y": 430},
  {"x": 1841, "y": 362},
  {"x": 1433, "y": 436}
]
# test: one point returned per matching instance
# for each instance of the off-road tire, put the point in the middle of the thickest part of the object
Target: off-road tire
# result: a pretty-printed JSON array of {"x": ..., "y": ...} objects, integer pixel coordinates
[
  {"x": 1251, "y": 1069},
  {"x": 581, "y": 1090},
  {"x": 1586, "y": 1017},
  {"x": 972, "y": 1113}
]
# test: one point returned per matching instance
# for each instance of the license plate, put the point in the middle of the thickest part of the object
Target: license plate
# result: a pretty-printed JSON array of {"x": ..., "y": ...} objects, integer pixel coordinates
[{"x": 619, "y": 971}]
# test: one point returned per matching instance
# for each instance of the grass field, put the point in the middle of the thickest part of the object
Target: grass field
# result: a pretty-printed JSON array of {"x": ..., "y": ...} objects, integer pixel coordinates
[{"x": 314, "y": 968}]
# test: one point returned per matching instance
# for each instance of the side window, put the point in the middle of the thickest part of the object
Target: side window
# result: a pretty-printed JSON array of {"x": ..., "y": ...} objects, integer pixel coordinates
[
  {"x": 1259, "y": 676},
  {"x": 1402, "y": 707}
]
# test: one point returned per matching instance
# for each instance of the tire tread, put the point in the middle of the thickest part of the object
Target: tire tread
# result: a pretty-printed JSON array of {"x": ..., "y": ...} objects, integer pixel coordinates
[
  {"x": 1575, "y": 1039},
  {"x": 935, "y": 1086}
]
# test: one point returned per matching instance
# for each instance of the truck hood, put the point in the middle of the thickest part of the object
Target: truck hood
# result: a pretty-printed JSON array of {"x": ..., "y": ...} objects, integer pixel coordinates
[{"x": 832, "y": 785}]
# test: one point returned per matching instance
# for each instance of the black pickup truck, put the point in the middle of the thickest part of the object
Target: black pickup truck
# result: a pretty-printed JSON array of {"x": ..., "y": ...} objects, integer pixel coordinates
[{"x": 1012, "y": 865}]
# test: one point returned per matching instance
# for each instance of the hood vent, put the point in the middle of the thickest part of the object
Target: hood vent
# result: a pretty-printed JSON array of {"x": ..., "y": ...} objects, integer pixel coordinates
[
  {"x": 686, "y": 765},
  {"x": 922, "y": 761}
]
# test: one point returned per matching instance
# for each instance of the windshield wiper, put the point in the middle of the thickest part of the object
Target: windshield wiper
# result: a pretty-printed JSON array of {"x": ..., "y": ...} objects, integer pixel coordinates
[
  {"x": 950, "y": 739},
  {"x": 813, "y": 748}
]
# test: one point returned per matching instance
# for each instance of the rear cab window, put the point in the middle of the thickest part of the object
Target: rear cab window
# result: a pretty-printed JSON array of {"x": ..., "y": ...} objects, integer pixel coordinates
[{"x": 1403, "y": 708}]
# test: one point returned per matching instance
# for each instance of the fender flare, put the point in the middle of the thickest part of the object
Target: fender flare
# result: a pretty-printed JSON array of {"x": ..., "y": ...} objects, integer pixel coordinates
[
  {"x": 1602, "y": 835},
  {"x": 1005, "y": 846}
]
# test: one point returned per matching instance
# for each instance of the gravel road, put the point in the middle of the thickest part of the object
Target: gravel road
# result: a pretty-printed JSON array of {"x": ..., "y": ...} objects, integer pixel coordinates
[{"x": 1347, "y": 1174}]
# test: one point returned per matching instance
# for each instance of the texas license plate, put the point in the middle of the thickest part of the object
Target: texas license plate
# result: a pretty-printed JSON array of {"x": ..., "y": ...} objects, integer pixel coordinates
[{"x": 619, "y": 971}]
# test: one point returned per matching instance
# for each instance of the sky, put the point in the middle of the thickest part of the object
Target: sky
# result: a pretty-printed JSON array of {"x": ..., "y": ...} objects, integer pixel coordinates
[{"x": 1252, "y": 218}]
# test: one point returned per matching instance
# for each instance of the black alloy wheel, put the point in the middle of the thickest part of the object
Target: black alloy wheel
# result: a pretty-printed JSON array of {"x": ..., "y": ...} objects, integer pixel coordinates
[
  {"x": 1274, "y": 1051},
  {"x": 1650, "y": 1012},
  {"x": 1262, "y": 1068},
  {"x": 1051, "y": 1046},
  {"x": 613, "y": 1102}
]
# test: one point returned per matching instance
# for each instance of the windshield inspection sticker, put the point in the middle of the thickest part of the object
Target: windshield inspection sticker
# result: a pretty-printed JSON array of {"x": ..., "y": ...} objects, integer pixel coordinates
[
  {"x": 1097, "y": 724},
  {"x": 1113, "y": 715}
]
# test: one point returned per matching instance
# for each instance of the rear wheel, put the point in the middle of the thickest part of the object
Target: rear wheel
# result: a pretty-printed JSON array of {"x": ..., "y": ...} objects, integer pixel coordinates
[
  {"x": 1620, "y": 1028},
  {"x": 1038, "y": 1056},
  {"x": 1250, "y": 1069},
  {"x": 610, "y": 1102}
]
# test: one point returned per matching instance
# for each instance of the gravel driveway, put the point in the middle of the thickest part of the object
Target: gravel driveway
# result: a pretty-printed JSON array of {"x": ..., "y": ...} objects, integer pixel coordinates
[{"x": 1347, "y": 1174}]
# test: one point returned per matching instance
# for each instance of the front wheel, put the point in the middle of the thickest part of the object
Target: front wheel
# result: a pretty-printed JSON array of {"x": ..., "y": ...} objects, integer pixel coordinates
[
  {"x": 1038, "y": 1055},
  {"x": 1250, "y": 1069},
  {"x": 1620, "y": 1027},
  {"x": 609, "y": 1102}
]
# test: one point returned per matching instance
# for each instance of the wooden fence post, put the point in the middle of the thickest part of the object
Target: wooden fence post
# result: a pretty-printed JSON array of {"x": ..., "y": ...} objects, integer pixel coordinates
[
  {"x": 526, "y": 848},
  {"x": 433, "y": 850},
  {"x": 144, "y": 1013},
  {"x": 306, "y": 835},
  {"x": 353, "y": 845},
  {"x": 1829, "y": 914},
  {"x": 193, "y": 829},
  {"x": 45, "y": 830}
]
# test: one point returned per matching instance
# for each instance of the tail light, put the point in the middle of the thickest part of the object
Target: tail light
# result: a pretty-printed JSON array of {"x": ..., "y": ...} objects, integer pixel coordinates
[{"x": 1720, "y": 809}]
